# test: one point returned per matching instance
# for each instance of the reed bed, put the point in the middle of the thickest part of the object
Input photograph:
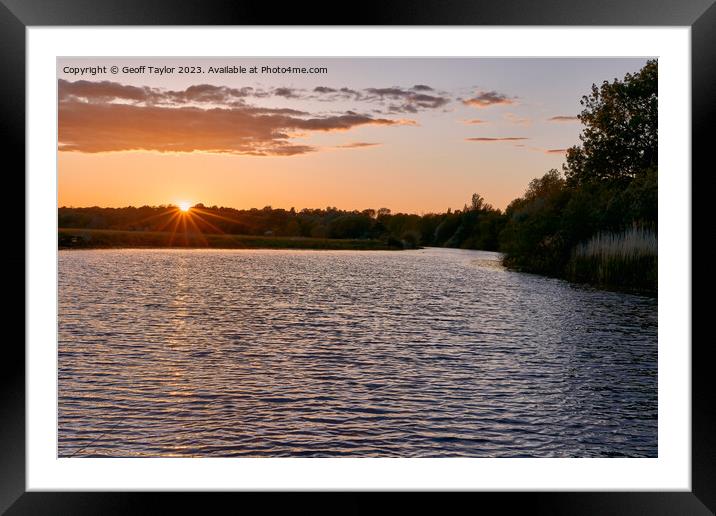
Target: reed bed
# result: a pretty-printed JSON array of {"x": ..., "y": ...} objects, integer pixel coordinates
[
  {"x": 70, "y": 238},
  {"x": 625, "y": 260}
]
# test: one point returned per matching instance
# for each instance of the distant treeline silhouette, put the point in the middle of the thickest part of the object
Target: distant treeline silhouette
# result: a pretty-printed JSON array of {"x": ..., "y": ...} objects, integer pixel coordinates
[
  {"x": 475, "y": 227},
  {"x": 595, "y": 221}
]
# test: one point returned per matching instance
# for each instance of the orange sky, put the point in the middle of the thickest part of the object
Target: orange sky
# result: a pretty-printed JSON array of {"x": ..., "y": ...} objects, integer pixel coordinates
[{"x": 413, "y": 135}]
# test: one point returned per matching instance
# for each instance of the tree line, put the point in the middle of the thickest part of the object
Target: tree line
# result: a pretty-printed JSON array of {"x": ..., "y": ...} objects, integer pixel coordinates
[
  {"x": 606, "y": 192},
  {"x": 476, "y": 226}
]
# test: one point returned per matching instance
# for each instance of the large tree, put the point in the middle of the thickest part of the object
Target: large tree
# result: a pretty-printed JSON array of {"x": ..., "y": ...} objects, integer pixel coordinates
[{"x": 619, "y": 141}]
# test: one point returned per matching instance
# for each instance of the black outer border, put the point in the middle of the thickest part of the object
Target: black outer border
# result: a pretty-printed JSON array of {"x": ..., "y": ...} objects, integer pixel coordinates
[{"x": 15, "y": 15}]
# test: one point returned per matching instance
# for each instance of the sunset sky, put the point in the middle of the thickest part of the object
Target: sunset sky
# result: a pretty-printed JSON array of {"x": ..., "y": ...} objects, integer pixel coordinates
[{"x": 410, "y": 134}]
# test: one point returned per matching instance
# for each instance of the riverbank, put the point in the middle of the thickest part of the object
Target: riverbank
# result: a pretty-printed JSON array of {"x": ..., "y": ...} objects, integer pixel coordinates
[
  {"x": 598, "y": 281},
  {"x": 70, "y": 238},
  {"x": 625, "y": 261}
]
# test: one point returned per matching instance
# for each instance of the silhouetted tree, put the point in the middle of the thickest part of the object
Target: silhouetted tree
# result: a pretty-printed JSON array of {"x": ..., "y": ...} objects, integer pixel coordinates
[{"x": 619, "y": 140}]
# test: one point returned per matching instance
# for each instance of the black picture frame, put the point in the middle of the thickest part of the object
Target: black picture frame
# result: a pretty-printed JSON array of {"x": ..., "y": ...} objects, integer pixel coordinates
[{"x": 17, "y": 15}]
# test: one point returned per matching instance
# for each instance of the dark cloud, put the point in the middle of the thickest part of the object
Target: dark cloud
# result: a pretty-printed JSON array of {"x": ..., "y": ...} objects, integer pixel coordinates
[
  {"x": 358, "y": 145},
  {"x": 107, "y": 91},
  {"x": 342, "y": 122},
  {"x": 104, "y": 91},
  {"x": 350, "y": 91},
  {"x": 545, "y": 151},
  {"x": 562, "y": 118},
  {"x": 327, "y": 94},
  {"x": 401, "y": 100},
  {"x": 395, "y": 99},
  {"x": 428, "y": 101},
  {"x": 500, "y": 139},
  {"x": 408, "y": 101},
  {"x": 393, "y": 93},
  {"x": 402, "y": 108},
  {"x": 206, "y": 93},
  {"x": 288, "y": 93},
  {"x": 270, "y": 111},
  {"x": 485, "y": 99},
  {"x": 106, "y": 116}
]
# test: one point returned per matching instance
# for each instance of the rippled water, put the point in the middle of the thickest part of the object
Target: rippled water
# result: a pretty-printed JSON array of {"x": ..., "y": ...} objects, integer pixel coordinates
[{"x": 434, "y": 352}]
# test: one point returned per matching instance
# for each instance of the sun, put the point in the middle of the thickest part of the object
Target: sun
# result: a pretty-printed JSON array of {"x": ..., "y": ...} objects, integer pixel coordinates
[{"x": 184, "y": 206}]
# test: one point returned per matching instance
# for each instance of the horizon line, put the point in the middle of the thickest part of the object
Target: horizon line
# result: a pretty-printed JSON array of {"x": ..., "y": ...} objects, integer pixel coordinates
[{"x": 297, "y": 210}]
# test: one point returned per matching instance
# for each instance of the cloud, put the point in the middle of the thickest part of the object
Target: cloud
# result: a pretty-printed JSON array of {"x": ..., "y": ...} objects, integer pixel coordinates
[
  {"x": 428, "y": 101},
  {"x": 358, "y": 145},
  {"x": 350, "y": 92},
  {"x": 485, "y": 99},
  {"x": 418, "y": 99},
  {"x": 203, "y": 93},
  {"x": 402, "y": 108},
  {"x": 106, "y": 116},
  {"x": 271, "y": 111},
  {"x": 104, "y": 91},
  {"x": 499, "y": 139},
  {"x": 474, "y": 121},
  {"x": 563, "y": 118},
  {"x": 101, "y": 91},
  {"x": 343, "y": 122},
  {"x": 388, "y": 92},
  {"x": 288, "y": 93},
  {"x": 542, "y": 150},
  {"x": 328, "y": 94},
  {"x": 400, "y": 100},
  {"x": 394, "y": 99},
  {"x": 107, "y": 91}
]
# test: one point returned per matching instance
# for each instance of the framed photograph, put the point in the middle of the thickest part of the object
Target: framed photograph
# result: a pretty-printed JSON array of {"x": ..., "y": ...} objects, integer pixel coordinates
[{"x": 448, "y": 250}]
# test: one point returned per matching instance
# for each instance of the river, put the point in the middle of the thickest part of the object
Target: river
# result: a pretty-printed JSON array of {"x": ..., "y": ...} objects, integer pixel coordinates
[{"x": 425, "y": 353}]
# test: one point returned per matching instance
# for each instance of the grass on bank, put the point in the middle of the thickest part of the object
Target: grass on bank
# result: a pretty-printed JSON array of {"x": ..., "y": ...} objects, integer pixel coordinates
[
  {"x": 70, "y": 238},
  {"x": 626, "y": 260}
]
